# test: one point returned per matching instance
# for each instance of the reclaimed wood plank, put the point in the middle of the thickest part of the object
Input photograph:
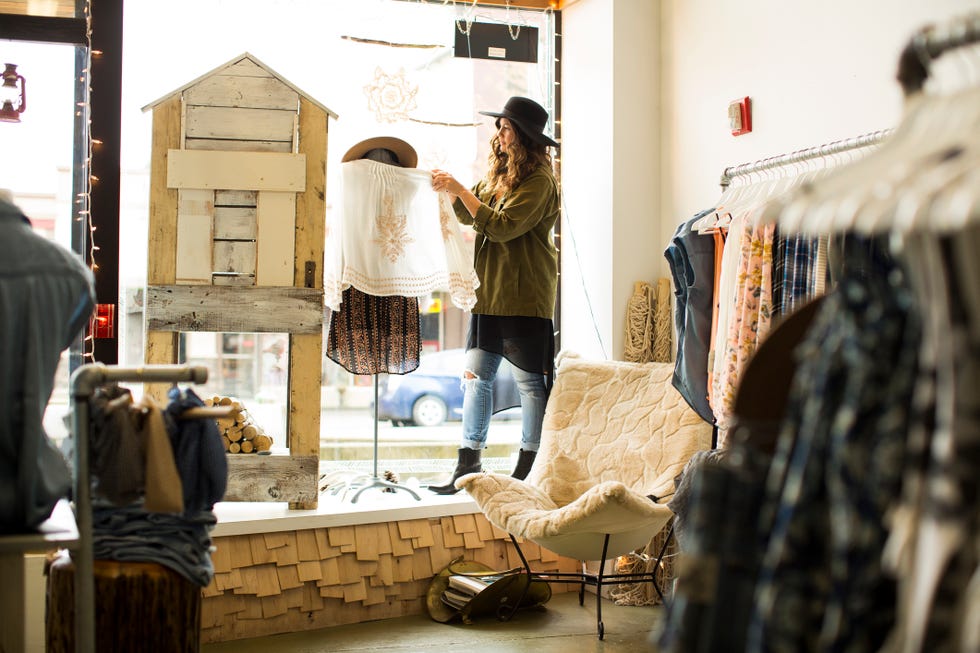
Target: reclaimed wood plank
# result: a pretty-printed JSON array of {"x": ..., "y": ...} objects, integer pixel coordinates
[
  {"x": 276, "y": 235},
  {"x": 246, "y": 68},
  {"x": 235, "y": 280},
  {"x": 161, "y": 263},
  {"x": 272, "y": 171},
  {"x": 306, "y": 351},
  {"x": 235, "y": 310},
  {"x": 195, "y": 220},
  {"x": 270, "y": 478},
  {"x": 239, "y": 124},
  {"x": 236, "y": 223},
  {"x": 237, "y": 146},
  {"x": 235, "y": 256},
  {"x": 242, "y": 91},
  {"x": 235, "y": 198}
]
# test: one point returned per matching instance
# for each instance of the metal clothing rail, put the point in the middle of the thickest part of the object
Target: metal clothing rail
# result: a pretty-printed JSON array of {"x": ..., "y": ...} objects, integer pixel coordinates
[
  {"x": 84, "y": 381},
  {"x": 807, "y": 154},
  {"x": 929, "y": 43}
]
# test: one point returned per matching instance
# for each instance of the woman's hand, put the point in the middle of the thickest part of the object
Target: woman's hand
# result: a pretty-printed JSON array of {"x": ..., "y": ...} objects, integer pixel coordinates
[{"x": 442, "y": 181}]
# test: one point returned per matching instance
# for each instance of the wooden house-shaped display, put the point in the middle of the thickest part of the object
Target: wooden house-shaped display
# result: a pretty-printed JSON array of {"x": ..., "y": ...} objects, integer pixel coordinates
[{"x": 236, "y": 233}]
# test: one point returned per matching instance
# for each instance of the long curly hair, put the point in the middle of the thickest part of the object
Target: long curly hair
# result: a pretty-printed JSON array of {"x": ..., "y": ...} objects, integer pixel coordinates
[{"x": 508, "y": 169}]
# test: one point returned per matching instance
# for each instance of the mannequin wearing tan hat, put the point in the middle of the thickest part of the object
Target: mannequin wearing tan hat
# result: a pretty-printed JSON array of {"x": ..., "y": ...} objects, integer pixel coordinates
[
  {"x": 404, "y": 154},
  {"x": 372, "y": 334},
  {"x": 391, "y": 240},
  {"x": 513, "y": 210}
]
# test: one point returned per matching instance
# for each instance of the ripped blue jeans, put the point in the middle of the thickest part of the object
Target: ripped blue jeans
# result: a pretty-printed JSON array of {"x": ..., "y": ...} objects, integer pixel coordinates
[{"x": 478, "y": 377}]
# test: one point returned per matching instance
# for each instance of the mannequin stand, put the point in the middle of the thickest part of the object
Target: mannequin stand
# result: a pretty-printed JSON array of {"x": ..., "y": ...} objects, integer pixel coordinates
[{"x": 376, "y": 481}]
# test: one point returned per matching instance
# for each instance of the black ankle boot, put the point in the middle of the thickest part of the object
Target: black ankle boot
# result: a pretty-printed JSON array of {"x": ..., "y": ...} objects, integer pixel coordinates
[
  {"x": 525, "y": 459},
  {"x": 467, "y": 463}
]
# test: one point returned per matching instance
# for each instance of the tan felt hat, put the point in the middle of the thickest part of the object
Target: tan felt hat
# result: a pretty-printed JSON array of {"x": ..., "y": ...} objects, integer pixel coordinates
[{"x": 407, "y": 156}]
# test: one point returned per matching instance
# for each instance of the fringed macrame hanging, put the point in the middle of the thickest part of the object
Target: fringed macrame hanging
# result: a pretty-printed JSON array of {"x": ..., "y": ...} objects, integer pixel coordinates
[
  {"x": 663, "y": 322},
  {"x": 649, "y": 323},
  {"x": 638, "y": 347},
  {"x": 644, "y": 561}
]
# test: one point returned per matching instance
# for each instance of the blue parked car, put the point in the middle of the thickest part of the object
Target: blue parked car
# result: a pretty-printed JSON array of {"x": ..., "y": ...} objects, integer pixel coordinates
[{"x": 432, "y": 394}]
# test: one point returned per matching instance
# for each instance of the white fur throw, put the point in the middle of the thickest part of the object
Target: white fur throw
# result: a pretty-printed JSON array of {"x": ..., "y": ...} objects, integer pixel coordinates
[{"x": 614, "y": 434}]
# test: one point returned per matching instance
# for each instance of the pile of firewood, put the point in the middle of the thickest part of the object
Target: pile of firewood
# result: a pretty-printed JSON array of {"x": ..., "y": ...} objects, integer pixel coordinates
[{"x": 240, "y": 432}]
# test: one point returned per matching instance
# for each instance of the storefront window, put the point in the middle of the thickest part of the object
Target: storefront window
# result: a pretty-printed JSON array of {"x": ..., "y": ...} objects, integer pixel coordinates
[
  {"x": 36, "y": 165},
  {"x": 386, "y": 67}
]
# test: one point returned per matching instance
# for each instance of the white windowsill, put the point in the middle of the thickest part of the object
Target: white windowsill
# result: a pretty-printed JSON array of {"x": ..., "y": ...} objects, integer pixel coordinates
[{"x": 373, "y": 507}]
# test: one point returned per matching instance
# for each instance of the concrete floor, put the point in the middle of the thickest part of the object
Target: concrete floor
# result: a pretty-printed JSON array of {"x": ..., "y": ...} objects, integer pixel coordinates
[{"x": 561, "y": 626}]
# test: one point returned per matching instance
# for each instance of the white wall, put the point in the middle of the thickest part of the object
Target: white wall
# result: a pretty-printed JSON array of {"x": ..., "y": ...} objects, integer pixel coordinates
[
  {"x": 816, "y": 72},
  {"x": 610, "y": 166}
]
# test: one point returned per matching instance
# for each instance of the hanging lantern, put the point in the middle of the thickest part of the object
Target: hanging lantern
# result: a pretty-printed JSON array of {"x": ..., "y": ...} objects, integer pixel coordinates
[{"x": 13, "y": 100}]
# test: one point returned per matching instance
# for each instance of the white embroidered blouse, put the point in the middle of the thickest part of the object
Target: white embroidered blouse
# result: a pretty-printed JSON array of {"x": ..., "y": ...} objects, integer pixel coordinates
[{"x": 394, "y": 235}]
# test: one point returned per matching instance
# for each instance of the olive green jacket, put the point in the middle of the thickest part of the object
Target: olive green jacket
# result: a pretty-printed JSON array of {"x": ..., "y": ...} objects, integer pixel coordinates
[{"x": 515, "y": 256}]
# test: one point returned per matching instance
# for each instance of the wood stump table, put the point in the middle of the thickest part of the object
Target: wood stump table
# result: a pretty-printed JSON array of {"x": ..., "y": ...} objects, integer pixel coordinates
[{"x": 139, "y": 606}]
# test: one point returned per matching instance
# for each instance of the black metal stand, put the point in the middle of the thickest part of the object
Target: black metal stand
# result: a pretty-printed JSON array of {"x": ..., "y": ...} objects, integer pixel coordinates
[
  {"x": 375, "y": 479},
  {"x": 597, "y": 579}
]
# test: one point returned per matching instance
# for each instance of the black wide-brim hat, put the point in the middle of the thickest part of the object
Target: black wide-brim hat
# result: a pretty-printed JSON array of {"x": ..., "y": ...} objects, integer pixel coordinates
[{"x": 527, "y": 114}]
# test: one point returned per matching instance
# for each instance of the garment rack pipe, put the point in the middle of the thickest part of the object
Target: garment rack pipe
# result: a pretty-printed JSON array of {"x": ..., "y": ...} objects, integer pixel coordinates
[
  {"x": 84, "y": 381},
  {"x": 807, "y": 154}
]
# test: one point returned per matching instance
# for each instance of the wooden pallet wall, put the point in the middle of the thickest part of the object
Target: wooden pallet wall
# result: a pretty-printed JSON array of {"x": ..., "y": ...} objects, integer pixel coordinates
[{"x": 290, "y": 581}]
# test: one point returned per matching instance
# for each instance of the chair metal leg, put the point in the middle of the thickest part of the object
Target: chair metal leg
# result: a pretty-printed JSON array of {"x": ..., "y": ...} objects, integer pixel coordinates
[
  {"x": 585, "y": 577},
  {"x": 660, "y": 557},
  {"x": 600, "y": 628},
  {"x": 507, "y": 615}
]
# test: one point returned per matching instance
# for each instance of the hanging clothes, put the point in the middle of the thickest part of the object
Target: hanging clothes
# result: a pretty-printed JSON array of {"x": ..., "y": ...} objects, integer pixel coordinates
[
  {"x": 747, "y": 294},
  {"x": 933, "y": 546},
  {"x": 132, "y": 458},
  {"x": 165, "y": 513},
  {"x": 198, "y": 451},
  {"x": 395, "y": 236},
  {"x": 690, "y": 257},
  {"x": 837, "y": 468},
  {"x": 46, "y": 297}
]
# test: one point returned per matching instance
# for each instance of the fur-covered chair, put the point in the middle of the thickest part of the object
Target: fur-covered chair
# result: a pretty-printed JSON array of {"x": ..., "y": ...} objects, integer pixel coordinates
[{"x": 615, "y": 436}]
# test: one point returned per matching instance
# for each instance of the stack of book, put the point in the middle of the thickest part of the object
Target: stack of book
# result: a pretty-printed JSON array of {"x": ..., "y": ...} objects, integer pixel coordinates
[{"x": 462, "y": 589}]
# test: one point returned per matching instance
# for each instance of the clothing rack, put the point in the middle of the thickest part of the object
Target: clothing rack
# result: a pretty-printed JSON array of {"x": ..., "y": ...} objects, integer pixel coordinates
[
  {"x": 807, "y": 154},
  {"x": 929, "y": 43},
  {"x": 84, "y": 381}
]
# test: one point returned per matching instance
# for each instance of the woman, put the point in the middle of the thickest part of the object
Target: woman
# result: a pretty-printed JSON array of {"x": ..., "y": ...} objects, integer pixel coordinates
[{"x": 513, "y": 210}]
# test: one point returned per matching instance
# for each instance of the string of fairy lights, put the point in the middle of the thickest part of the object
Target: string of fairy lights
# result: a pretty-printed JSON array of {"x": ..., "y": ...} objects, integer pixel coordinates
[{"x": 83, "y": 199}]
